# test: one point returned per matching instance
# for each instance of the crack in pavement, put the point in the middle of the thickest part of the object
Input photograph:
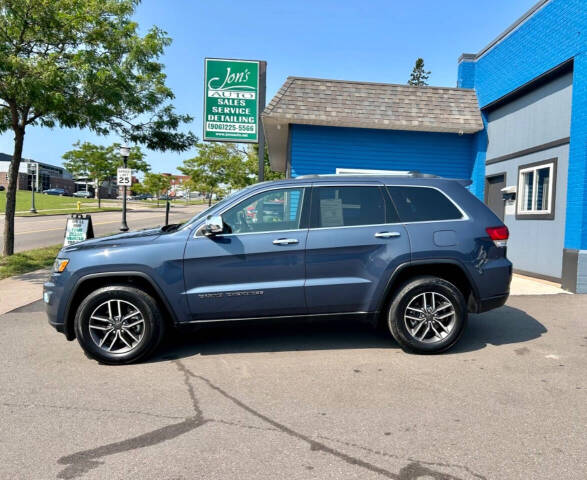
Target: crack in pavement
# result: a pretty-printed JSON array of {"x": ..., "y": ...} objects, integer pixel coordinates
[
  {"x": 413, "y": 460},
  {"x": 86, "y": 460}
]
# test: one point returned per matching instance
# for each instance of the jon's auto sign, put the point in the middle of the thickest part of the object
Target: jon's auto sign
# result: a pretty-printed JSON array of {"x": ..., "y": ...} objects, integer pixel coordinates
[{"x": 231, "y": 100}]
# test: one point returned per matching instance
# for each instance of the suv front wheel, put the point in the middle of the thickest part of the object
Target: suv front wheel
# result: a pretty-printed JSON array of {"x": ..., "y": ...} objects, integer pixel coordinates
[
  {"x": 428, "y": 315},
  {"x": 118, "y": 324}
]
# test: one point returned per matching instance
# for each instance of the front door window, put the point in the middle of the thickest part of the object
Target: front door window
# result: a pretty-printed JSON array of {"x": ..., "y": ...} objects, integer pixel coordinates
[{"x": 266, "y": 212}]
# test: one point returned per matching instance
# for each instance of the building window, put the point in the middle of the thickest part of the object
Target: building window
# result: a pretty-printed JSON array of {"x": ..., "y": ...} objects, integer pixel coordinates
[{"x": 536, "y": 190}]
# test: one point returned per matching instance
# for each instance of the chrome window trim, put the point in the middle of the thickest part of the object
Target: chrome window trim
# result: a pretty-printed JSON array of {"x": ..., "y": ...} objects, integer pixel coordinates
[
  {"x": 256, "y": 192},
  {"x": 376, "y": 183}
]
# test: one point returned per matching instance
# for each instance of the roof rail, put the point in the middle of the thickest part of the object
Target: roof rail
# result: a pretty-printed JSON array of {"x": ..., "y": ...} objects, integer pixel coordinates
[{"x": 412, "y": 173}]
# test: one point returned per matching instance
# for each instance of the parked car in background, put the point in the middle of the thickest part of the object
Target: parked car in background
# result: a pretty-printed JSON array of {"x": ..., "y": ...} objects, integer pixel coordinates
[
  {"x": 55, "y": 191},
  {"x": 415, "y": 253},
  {"x": 142, "y": 196},
  {"x": 83, "y": 194}
]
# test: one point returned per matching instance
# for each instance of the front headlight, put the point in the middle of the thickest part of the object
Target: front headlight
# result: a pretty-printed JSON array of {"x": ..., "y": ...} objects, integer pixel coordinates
[{"x": 60, "y": 264}]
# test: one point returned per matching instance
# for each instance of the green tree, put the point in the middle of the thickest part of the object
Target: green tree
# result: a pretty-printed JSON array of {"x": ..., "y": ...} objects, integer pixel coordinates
[
  {"x": 157, "y": 184},
  {"x": 82, "y": 64},
  {"x": 138, "y": 189},
  {"x": 419, "y": 76},
  {"x": 252, "y": 162},
  {"x": 216, "y": 167},
  {"x": 100, "y": 163}
]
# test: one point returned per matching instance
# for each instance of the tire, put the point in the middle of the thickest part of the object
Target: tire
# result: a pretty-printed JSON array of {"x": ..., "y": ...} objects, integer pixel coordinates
[
  {"x": 107, "y": 330},
  {"x": 420, "y": 319}
]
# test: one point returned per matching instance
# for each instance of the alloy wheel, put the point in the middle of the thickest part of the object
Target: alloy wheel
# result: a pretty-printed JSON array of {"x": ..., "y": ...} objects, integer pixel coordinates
[
  {"x": 117, "y": 326},
  {"x": 430, "y": 317}
]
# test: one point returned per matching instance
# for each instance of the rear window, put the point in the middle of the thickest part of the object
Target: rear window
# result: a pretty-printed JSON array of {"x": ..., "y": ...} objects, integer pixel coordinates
[{"x": 423, "y": 204}]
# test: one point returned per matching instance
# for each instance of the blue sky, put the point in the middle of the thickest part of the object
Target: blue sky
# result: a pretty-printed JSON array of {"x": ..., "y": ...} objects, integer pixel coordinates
[{"x": 365, "y": 40}]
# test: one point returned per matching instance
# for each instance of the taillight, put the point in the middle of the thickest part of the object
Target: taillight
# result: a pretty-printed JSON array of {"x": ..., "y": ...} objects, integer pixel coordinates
[{"x": 499, "y": 235}]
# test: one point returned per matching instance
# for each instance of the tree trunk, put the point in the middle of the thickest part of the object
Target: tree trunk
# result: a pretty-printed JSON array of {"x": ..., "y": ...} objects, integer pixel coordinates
[
  {"x": 210, "y": 199},
  {"x": 8, "y": 248}
]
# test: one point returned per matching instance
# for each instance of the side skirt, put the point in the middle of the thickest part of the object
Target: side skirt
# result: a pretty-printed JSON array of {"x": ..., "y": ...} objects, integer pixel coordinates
[{"x": 361, "y": 315}]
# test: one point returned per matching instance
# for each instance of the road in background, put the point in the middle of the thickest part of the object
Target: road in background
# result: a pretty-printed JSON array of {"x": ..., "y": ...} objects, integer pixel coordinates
[
  {"x": 44, "y": 231},
  {"x": 303, "y": 400}
]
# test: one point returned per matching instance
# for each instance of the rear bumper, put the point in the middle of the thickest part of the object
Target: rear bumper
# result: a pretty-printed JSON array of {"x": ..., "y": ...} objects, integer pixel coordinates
[{"x": 490, "y": 303}]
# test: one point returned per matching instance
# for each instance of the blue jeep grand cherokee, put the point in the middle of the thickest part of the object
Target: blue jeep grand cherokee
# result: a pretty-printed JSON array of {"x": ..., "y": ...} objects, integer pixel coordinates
[{"x": 418, "y": 253}]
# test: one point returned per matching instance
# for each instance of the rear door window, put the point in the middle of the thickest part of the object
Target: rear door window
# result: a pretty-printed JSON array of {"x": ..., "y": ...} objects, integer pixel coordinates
[
  {"x": 423, "y": 204},
  {"x": 346, "y": 206}
]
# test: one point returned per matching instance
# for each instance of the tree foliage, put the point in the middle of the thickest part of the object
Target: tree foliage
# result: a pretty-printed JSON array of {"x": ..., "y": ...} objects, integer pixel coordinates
[
  {"x": 217, "y": 167},
  {"x": 82, "y": 64},
  {"x": 222, "y": 166},
  {"x": 419, "y": 76},
  {"x": 253, "y": 165},
  {"x": 157, "y": 184},
  {"x": 100, "y": 163}
]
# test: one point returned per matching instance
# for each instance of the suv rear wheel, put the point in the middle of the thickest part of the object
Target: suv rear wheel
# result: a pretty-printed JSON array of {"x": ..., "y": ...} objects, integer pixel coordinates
[
  {"x": 118, "y": 324},
  {"x": 428, "y": 315}
]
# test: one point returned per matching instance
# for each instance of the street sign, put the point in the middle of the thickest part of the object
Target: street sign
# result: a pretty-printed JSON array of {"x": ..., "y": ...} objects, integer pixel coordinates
[
  {"x": 124, "y": 177},
  {"x": 232, "y": 91},
  {"x": 77, "y": 229}
]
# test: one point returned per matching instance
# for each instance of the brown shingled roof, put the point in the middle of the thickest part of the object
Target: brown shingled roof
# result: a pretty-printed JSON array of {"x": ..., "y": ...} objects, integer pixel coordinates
[{"x": 375, "y": 105}]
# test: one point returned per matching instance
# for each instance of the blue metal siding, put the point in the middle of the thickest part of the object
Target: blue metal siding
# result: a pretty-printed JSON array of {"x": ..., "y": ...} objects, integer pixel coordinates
[
  {"x": 554, "y": 33},
  {"x": 320, "y": 150},
  {"x": 466, "y": 74},
  {"x": 576, "y": 226}
]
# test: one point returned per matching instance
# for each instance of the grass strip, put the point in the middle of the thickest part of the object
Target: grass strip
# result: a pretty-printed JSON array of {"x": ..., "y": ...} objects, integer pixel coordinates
[{"x": 28, "y": 261}]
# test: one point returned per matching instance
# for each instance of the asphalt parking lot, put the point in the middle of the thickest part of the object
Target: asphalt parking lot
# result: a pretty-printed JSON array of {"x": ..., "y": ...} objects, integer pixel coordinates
[{"x": 324, "y": 400}]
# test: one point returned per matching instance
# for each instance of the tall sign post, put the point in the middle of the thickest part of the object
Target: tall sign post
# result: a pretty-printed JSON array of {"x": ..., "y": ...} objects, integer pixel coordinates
[
  {"x": 234, "y": 97},
  {"x": 34, "y": 172},
  {"x": 124, "y": 179}
]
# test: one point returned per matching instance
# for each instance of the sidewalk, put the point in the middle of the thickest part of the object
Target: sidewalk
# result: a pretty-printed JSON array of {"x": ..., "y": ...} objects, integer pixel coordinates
[
  {"x": 21, "y": 290},
  {"x": 523, "y": 285}
]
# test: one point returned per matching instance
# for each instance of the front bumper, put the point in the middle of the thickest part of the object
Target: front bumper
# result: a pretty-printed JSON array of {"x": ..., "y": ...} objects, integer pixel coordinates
[{"x": 53, "y": 294}]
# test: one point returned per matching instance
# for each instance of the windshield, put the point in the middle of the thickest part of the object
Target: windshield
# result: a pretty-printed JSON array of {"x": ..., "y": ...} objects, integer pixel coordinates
[{"x": 222, "y": 202}]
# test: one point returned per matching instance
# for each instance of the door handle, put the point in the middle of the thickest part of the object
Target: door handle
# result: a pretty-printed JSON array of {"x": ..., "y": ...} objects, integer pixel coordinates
[
  {"x": 285, "y": 241},
  {"x": 387, "y": 234}
]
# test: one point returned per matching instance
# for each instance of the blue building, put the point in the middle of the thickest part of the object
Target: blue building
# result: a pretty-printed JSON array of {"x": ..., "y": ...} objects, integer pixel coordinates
[{"x": 516, "y": 125}]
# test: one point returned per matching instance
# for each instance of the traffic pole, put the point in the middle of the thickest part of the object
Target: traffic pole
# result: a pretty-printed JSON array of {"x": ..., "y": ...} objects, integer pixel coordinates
[{"x": 123, "y": 226}]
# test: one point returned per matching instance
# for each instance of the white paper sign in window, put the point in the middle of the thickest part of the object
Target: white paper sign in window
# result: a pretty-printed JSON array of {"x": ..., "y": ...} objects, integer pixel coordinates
[{"x": 331, "y": 212}]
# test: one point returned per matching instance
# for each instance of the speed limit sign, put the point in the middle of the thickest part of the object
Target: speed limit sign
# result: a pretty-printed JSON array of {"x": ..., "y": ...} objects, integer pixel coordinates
[{"x": 124, "y": 177}]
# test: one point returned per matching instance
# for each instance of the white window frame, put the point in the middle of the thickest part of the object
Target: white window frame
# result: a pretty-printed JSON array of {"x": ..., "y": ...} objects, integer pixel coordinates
[{"x": 521, "y": 200}]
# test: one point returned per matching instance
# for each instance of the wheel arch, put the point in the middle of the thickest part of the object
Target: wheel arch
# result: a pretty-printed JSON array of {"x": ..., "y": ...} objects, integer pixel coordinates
[
  {"x": 447, "y": 269},
  {"x": 93, "y": 281}
]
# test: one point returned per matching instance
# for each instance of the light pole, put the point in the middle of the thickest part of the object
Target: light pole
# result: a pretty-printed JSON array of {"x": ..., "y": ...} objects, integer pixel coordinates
[
  {"x": 35, "y": 173},
  {"x": 124, "y": 153}
]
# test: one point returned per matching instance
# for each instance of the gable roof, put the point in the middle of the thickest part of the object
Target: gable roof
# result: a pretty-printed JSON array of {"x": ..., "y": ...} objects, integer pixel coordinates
[{"x": 340, "y": 103}]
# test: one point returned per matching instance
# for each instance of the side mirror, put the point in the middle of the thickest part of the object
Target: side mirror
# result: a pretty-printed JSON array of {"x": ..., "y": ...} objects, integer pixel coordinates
[{"x": 214, "y": 225}]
